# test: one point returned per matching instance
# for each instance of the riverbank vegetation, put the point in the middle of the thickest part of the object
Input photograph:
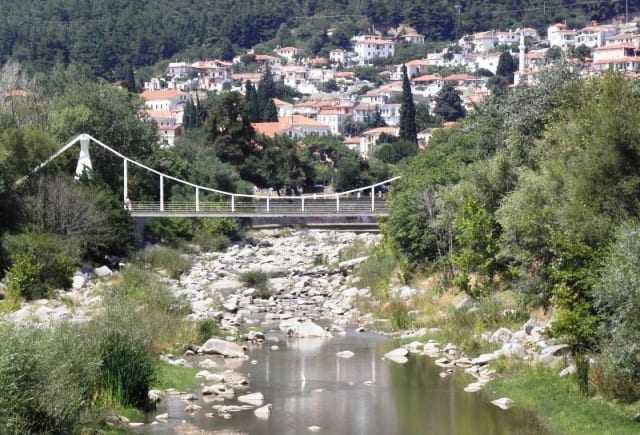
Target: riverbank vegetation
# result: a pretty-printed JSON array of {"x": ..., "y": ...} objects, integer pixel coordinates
[
  {"x": 59, "y": 379},
  {"x": 533, "y": 195}
]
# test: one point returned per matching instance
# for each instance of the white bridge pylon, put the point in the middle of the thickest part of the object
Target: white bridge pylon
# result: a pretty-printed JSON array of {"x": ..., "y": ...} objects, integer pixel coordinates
[{"x": 355, "y": 202}]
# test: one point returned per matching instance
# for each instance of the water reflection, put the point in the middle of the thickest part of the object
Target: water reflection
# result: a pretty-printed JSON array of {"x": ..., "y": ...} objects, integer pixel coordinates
[{"x": 309, "y": 386}]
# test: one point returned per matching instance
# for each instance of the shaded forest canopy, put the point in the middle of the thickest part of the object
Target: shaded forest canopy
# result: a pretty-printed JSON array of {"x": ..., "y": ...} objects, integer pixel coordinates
[{"x": 112, "y": 36}]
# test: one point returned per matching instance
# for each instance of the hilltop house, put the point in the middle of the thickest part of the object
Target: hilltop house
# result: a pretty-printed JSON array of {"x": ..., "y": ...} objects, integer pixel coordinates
[
  {"x": 370, "y": 47},
  {"x": 294, "y": 127}
]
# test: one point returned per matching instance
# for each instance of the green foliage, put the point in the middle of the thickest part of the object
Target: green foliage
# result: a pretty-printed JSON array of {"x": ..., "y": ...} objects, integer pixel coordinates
[
  {"x": 449, "y": 104},
  {"x": 507, "y": 66},
  {"x": 258, "y": 280},
  {"x": 172, "y": 261},
  {"x": 34, "y": 275},
  {"x": 47, "y": 379},
  {"x": 126, "y": 371},
  {"x": 408, "y": 127},
  {"x": 400, "y": 317},
  {"x": 617, "y": 299},
  {"x": 377, "y": 271},
  {"x": 395, "y": 151},
  {"x": 207, "y": 329},
  {"x": 169, "y": 230}
]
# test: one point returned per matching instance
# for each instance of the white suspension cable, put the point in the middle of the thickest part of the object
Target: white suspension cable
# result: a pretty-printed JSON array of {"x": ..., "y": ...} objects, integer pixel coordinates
[{"x": 197, "y": 186}]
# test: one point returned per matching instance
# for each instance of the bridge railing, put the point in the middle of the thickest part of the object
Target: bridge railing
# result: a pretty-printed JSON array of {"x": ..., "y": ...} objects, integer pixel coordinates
[{"x": 362, "y": 206}]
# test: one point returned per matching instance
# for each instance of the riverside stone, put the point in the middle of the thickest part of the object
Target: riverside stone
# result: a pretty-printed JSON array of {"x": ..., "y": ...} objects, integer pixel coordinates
[
  {"x": 255, "y": 399},
  {"x": 216, "y": 346}
]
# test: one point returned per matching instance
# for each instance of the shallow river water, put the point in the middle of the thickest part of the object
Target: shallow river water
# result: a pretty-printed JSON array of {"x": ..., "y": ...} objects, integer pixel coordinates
[{"x": 309, "y": 386}]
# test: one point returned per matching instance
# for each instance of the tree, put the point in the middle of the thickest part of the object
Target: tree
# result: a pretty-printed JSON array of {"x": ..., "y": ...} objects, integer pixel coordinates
[
  {"x": 284, "y": 37},
  {"x": 266, "y": 94},
  {"x": 506, "y": 66},
  {"x": 408, "y": 128},
  {"x": 424, "y": 119},
  {"x": 251, "y": 102},
  {"x": 229, "y": 129},
  {"x": 449, "y": 104}
]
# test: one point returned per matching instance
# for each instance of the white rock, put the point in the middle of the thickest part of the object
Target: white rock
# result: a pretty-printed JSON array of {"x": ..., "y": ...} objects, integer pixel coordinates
[
  {"x": 264, "y": 412},
  {"x": 569, "y": 370},
  {"x": 513, "y": 349},
  {"x": 307, "y": 330},
  {"x": 503, "y": 403},
  {"x": 314, "y": 428},
  {"x": 474, "y": 387},
  {"x": 255, "y": 399},
  {"x": 103, "y": 272},
  {"x": 215, "y": 346},
  {"x": 207, "y": 364},
  {"x": 345, "y": 354}
]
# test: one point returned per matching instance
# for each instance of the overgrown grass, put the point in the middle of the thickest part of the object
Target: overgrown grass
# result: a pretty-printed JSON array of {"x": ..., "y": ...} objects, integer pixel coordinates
[
  {"x": 161, "y": 258},
  {"x": 176, "y": 377},
  {"x": 207, "y": 329},
  {"x": 559, "y": 404},
  {"x": 258, "y": 280},
  {"x": 378, "y": 270},
  {"x": 356, "y": 250}
]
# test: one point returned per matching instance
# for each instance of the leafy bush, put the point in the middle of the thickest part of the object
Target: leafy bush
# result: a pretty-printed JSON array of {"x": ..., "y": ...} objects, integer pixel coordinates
[
  {"x": 209, "y": 242},
  {"x": 47, "y": 379},
  {"x": 258, "y": 280},
  {"x": 617, "y": 298},
  {"x": 207, "y": 329},
  {"x": 170, "y": 230},
  {"x": 376, "y": 272},
  {"x": 41, "y": 263},
  {"x": 170, "y": 260}
]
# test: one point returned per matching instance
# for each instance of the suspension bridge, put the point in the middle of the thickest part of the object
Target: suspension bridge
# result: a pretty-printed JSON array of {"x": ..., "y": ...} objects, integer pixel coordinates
[{"x": 367, "y": 202}]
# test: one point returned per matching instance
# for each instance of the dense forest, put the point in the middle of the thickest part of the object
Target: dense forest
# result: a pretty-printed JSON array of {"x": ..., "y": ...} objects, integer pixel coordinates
[{"x": 112, "y": 36}]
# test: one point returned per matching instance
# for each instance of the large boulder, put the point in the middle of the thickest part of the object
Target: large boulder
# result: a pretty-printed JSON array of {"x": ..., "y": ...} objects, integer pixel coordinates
[
  {"x": 227, "y": 349},
  {"x": 305, "y": 330}
]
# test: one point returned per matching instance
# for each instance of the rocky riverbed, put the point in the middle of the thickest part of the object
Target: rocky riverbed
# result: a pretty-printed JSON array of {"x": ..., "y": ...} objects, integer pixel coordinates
[{"x": 306, "y": 321}]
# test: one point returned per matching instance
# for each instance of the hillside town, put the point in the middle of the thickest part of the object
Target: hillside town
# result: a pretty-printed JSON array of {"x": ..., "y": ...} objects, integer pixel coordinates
[{"x": 333, "y": 95}]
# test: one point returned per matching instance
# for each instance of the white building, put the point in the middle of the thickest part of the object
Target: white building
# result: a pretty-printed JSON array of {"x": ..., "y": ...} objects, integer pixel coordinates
[
  {"x": 165, "y": 99},
  {"x": 288, "y": 53},
  {"x": 339, "y": 56},
  {"x": 179, "y": 70},
  {"x": 620, "y": 57},
  {"x": 559, "y": 35},
  {"x": 332, "y": 118},
  {"x": 169, "y": 125},
  {"x": 391, "y": 113},
  {"x": 595, "y": 36},
  {"x": 369, "y": 139},
  {"x": 370, "y": 47}
]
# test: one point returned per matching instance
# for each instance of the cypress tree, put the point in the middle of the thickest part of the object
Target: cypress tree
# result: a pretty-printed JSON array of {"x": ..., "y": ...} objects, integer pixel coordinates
[
  {"x": 506, "y": 66},
  {"x": 252, "y": 103},
  {"x": 266, "y": 94},
  {"x": 408, "y": 128},
  {"x": 190, "y": 115}
]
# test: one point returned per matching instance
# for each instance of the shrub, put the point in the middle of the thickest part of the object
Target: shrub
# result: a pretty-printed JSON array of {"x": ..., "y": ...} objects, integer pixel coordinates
[
  {"x": 40, "y": 264},
  {"x": 126, "y": 370},
  {"x": 376, "y": 272},
  {"x": 170, "y": 230},
  {"x": 207, "y": 329},
  {"x": 162, "y": 258},
  {"x": 258, "y": 280},
  {"x": 222, "y": 226},
  {"x": 208, "y": 242},
  {"x": 47, "y": 379},
  {"x": 400, "y": 317}
]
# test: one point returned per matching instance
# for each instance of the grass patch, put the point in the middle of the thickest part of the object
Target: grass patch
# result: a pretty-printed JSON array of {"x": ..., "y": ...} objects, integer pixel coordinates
[
  {"x": 258, "y": 280},
  {"x": 207, "y": 329},
  {"x": 377, "y": 271},
  {"x": 356, "y": 250},
  {"x": 176, "y": 377},
  {"x": 560, "y": 405},
  {"x": 161, "y": 258}
]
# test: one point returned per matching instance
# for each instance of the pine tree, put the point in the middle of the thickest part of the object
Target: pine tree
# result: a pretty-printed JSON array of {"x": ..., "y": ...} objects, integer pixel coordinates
[
  {"x": 190, "y": 115},
  {"x": 270, "y": 113},
  {"x": 449, "y": 104},
  {"x": 252, "y": 103},
  {"x": 266, "y": 94},
  {"x": 408, "y": 128},
  {"x": 131, "y": 79},
  {"x": 506, "y": 66}
]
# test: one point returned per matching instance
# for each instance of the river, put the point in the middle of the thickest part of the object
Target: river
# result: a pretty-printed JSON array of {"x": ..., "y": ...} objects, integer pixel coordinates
[{"x": 308, "y": 386}]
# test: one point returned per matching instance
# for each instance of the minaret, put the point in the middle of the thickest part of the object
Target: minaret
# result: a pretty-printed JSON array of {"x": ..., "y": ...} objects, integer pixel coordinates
[{"x": 522, "y": 60}]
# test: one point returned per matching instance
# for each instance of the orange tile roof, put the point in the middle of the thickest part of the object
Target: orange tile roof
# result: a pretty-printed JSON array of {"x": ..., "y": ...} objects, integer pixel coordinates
[
  {"x": 458, "y": 77},
  {"x": 615, "y": 47},
  {"x": 281, "y": 103},
  {"x": 271, "y": 129},
  {"x": 352, "y": 140},
  {"x": 162, "y": 94},
  {"x": 381, "y": 130},
  {"x": 427, "y": 78}
]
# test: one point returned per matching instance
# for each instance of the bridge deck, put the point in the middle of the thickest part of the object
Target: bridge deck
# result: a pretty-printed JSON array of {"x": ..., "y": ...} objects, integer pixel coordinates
[{"x": 275, "y": 208}]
